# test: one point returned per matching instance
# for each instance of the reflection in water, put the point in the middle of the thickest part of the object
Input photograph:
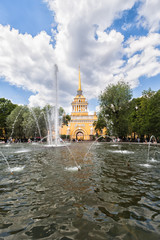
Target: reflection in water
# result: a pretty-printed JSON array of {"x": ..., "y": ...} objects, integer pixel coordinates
[
  {"x": 72, "y": 168},
  {"x": 121, "y": 151},
  {"x": 116, "y": 195}
]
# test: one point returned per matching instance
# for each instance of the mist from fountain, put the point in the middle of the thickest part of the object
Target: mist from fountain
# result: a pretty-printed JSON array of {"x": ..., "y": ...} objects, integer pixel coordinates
[
  {"x": 49, "y": 124},
  {"x": 51, "y": 118},
  {"x": 94, "y": 143},
  {"x": 5, "y": 159},
  {"x": 78, "y": 166},
  {"x": 36, "y": 120},
  {"x": 15, "y": 123},
  {"x": 149, "y": 145},
  {"x": 56, "y": 108}
]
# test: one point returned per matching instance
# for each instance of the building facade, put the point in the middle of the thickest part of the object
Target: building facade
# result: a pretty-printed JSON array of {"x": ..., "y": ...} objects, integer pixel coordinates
[{"x": 80, "y": 126}]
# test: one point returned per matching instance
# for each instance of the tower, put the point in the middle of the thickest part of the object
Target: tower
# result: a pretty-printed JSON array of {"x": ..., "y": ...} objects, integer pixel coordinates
[
  {"x": 79, "y": 104},
  {"x": 80, "y": 126}
]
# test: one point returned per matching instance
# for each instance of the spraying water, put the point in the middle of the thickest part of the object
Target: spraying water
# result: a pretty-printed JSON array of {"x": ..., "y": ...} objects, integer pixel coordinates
[
  {"x": 56, "y": 108},
  {"x": 5, "y": 159},
  {"x": 94, "y": 143},
  {"x": 152, "y": 137},
  {"x": 31, "y": 110},
  {"x": 79, "y": 167},
  {"x": 50, "y": 137},
  {"x": 15, "y": 123},
  {"x": 150, "y": 141},
  {"x": 50, "y": 121}
]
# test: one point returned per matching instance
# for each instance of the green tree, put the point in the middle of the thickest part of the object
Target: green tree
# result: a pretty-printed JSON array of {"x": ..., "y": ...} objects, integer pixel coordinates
[
  {"x": 114, "y": 103},
  {"x": 65, "y": 119},
  {"x": 24, "y": 122},
  {"x": 145, "y": 114},
  {"x": 34, "y": 123},
  {"x": 29, "y": 124},
  {"x": 61, "y": 111},
  {"x": 135, "y": 121},
  {"x": 15, "y": 122},
  {"x": 6, "y": 107},
  {"x": 100, "y": 123},
  {"x": 154, "y": 115}
]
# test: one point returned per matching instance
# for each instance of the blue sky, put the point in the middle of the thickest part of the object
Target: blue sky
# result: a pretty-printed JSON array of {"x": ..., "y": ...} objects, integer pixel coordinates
[
  {"x": 28, "y": 16},
  {"x": 109, "y": 41},
  {"x": 31, "y": 16}
]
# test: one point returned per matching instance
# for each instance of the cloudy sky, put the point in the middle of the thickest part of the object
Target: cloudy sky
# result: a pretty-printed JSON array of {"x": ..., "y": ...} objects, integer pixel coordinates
[{"x": 110, "y": 40}]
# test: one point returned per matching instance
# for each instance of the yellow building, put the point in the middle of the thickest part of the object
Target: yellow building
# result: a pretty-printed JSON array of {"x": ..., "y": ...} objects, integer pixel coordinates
[{"x": 80, "y": 126}]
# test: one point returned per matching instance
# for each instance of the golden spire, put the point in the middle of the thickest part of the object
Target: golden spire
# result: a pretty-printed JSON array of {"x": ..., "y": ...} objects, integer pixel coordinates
[{"x": 79, "y": 87}]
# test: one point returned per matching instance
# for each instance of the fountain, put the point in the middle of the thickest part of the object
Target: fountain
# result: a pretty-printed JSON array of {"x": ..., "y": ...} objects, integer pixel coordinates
[
  {"x": 78, "y": 167},
  {"x": 51, "y": 118},
  {"x": 56, "y": 109},
  {"x": 15, "y": 123},
  {"x": 47, "y": 198},
  {"x": 50, "y": 136},
  {"x": 5, "y": 159},
  {"x": 31, "y": 110},
  {"x": 152, "y": 138},
  {"x": 102, "y": 136}
]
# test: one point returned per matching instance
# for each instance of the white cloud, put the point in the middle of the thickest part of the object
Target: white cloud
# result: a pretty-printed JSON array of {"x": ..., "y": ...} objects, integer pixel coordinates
[
  {"x": 143, "y": 54},
  {"x": 27, "y": 61},
  {"x": 141, "y": 43},
  {"x": 126, "y": 26},
  {"x": 101, "y": 59},
  {"x": 89, "y": 12},
  {"x": 98, "y": 109},
  {"x": 78, "y": 23},
  {"x": 81, "y": 39},
  {"x": 149, "y": 15}
]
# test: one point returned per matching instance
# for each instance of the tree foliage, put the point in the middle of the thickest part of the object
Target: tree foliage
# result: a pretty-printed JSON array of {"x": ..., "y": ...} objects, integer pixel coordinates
[
  {"x": 65, "y": 119},
  {"x": 114, "y": 103},
  {"x": 24, "y": 122},
  {"x": 34, "y": 123},
  {"x": 6, "y": 107},
  {"x": 119, "y": 114},
  {"x": 145, "y": 114},
  {"x": 100, "y": 123},
  {"x": 154, "y": 114}
]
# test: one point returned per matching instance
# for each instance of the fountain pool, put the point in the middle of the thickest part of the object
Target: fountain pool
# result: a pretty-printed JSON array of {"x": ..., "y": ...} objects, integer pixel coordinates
[{"x": 47, "y": 198}]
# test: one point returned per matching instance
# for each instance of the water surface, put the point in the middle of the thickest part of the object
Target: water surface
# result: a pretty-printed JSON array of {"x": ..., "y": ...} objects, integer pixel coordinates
[{"x": 116, "y": 195}]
